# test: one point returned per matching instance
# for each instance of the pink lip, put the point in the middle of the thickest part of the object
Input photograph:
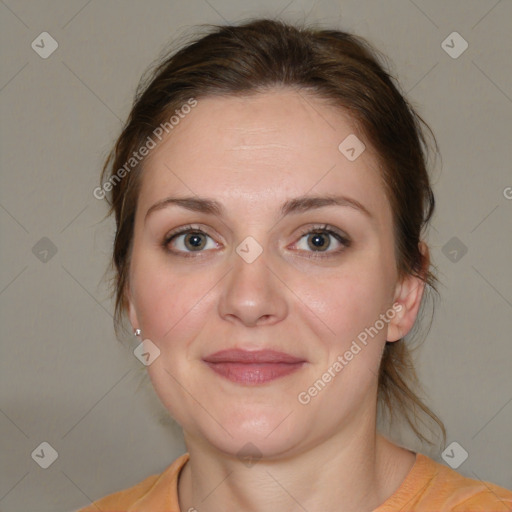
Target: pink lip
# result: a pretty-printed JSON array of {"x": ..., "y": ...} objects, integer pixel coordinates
[{"x": 253, "y": 367}]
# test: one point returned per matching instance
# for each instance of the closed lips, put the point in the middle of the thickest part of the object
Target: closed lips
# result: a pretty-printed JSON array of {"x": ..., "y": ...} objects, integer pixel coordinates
[
  {"x": 254, "y": 357},
  {"x": 252, "y": 368}
]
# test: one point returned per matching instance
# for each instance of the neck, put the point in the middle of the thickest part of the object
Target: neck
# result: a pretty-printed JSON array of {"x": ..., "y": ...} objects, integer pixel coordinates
[{"x": 334, "y": 475}]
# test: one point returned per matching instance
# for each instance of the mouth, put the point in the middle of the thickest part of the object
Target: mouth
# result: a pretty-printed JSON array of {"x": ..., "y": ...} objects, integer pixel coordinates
[{"x": 253, "y": 367}]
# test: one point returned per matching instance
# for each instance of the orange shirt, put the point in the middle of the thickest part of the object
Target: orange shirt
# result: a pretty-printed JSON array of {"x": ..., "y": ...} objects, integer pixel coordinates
[{"x": 428, "y": 487}]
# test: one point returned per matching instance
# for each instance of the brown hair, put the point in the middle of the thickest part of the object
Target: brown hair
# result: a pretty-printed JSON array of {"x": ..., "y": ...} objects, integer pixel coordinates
[{"x": 342, "y": 69}]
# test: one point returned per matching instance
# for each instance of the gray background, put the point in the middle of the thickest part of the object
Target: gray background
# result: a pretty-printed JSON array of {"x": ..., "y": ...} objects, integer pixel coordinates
[{"x": 66, "y": 380}]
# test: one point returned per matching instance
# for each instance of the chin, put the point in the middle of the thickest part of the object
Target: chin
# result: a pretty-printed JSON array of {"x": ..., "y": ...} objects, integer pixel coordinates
[
  {"x": 247, "y": 447},
  {"x": 262, "y": 434}
]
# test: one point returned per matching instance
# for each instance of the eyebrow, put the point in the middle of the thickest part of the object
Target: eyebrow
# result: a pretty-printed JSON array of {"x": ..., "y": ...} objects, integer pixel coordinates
[{"x": 292, "y": 206}]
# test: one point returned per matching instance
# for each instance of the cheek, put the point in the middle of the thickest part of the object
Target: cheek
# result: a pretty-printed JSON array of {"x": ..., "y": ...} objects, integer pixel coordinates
[
  {"x": 167, "y": 302},
  {"x": 346, "y": 302},
  {"x": 175, "y": 305}
]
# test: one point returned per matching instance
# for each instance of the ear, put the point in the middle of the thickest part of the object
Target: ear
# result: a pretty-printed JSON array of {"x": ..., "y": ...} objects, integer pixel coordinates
[
  {"x": 132, "y": 314},
  {"x": 408, "y": 294}
]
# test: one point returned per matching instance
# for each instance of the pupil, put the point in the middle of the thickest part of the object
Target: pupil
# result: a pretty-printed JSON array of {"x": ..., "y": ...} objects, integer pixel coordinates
[
  {"x": 194, "y": 240},
  {"x": 319, "y": 240}
]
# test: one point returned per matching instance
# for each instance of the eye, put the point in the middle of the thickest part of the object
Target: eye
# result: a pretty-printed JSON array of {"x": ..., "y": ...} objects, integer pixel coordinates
[
  {"x": 316, "y": 240},
  {"x": 188, "y": 240},
  {"x": 321, "y": 239}
]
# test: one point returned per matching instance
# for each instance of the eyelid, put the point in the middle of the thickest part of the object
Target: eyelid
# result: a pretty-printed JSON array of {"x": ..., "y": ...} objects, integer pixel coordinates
[
  {"x": 339, "y": 235},
  {"x": 184, "y": 229},
  {"x": 325, "y": 228}
]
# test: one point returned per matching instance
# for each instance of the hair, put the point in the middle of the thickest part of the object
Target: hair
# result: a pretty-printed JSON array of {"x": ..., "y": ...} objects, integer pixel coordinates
[{"x": 341, "y": 68}]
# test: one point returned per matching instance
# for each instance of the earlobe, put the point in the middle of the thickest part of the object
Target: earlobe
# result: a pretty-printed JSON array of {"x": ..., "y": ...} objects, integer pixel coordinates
[
  {"x": 406, "y": 304},
  {"x": 132, "y": 314},
  {"x": 395, "y": 330},
  {"x": 408, "y": 295}
]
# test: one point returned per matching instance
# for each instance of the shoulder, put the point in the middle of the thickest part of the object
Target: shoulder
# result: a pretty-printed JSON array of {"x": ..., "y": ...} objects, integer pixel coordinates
[
  {"x": 466, "y": 493},
  {"x": 122, "y": 499},
  {"x": 433, "y": 486},
  {"x": 153, "y": 488}
]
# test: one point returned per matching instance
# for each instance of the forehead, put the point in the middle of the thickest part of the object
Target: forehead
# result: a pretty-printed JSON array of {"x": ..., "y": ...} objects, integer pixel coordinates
[{"x": 261, "y": 149}]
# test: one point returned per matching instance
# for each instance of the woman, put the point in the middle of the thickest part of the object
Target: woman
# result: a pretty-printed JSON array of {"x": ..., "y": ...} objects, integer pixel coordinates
[{"x": 270, "y": 191}]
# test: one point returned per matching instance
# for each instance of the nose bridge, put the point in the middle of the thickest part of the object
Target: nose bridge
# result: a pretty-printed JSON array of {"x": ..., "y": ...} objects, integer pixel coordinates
[{"x": 252, "y": 293}]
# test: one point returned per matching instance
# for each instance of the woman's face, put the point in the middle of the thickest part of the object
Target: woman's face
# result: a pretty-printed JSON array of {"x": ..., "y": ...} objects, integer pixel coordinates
[{"x": 265, "y": 268}]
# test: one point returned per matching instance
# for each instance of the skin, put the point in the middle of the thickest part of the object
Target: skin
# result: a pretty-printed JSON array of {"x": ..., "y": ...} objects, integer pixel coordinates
[{"x": 251, "y": 154}]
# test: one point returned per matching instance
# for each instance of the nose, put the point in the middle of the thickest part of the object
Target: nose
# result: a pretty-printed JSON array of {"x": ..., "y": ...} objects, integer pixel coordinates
[{"x": 253, "y": 294}]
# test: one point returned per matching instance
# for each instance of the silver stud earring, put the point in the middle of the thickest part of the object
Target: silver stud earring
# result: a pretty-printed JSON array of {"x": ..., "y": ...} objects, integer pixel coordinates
[{"x": 137, "y": 332}]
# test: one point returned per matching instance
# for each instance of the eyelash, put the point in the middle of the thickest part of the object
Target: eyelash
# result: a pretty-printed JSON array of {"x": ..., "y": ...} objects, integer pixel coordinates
[{"x": 324, "y": 228}]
